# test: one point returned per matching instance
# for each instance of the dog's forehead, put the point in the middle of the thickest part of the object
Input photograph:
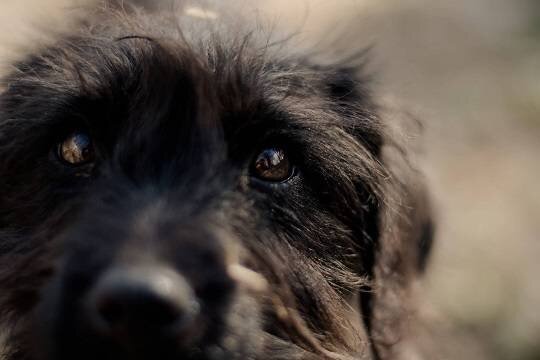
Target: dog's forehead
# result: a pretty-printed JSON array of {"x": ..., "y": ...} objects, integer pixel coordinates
[{"x": 136, "y": 76}]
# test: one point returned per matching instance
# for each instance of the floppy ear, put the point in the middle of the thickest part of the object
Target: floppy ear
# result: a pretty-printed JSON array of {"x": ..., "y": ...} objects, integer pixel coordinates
[
  {"x": 399, "y": 221},
  {"x": 405, "y": 238}
]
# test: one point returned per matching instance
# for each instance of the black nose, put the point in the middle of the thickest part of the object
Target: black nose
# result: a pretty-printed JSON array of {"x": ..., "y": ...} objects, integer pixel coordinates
[{"x": 139, "y": 302}]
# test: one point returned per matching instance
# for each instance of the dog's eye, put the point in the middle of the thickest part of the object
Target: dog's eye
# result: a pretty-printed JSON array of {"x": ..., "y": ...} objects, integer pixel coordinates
[
  {"x": 76, "y": 149},
  {"x": 272, "y": 165}
]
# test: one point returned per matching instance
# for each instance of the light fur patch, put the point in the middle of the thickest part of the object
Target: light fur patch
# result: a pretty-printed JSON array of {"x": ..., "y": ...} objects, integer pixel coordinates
[
  {"x": 247, "y": 277},
  {"x": 200, "y": 13}
]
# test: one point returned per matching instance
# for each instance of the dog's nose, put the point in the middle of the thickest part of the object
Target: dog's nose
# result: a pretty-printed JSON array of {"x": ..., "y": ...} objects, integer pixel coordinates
[{"x": 141, "y": 302}]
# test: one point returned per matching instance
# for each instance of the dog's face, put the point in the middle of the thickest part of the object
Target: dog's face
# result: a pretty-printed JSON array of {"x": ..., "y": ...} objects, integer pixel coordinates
[{"x": 212, "y": 199}]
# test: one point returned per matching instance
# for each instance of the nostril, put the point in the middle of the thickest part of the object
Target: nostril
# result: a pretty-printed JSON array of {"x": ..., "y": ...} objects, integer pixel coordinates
[
  {"x": 141, "y": 301},
  {"x": 127, "y": 306}
]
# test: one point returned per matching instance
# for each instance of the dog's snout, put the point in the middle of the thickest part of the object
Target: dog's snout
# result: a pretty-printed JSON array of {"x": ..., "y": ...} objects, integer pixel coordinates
[{"x": 141, "y": 302}]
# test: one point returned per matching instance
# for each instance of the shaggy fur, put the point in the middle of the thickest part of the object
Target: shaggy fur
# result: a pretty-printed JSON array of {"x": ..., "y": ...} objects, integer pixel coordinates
[{"x": 317, "y": 267}]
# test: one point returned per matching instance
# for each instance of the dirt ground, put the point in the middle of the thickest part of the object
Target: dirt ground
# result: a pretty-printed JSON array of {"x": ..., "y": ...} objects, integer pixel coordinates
[{"x": 470, "y": 69}]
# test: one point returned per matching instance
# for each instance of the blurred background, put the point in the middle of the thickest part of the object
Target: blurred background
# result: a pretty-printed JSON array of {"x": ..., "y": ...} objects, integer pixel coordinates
[{"x": 470, "y": 70}]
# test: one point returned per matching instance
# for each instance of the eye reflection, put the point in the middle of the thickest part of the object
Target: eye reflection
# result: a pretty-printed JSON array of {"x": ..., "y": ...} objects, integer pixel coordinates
[
  {"x": 76, "y": 149},
  {"x": 272, "y": 165}
]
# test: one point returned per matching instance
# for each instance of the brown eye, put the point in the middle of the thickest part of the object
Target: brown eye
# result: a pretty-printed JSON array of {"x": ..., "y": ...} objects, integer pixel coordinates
[
  {"x": 76, "y": 149},
  {"x": 272, "y": 165}
]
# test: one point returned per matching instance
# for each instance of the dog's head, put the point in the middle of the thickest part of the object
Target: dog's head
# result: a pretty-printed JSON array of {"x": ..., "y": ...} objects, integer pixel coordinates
[{"x": 177, "y": 195}]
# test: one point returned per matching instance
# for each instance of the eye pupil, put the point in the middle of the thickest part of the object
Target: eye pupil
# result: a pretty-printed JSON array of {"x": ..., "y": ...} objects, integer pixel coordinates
[
  {"x": 76, "y": 149},
  {"x": 272, "y": 165}
]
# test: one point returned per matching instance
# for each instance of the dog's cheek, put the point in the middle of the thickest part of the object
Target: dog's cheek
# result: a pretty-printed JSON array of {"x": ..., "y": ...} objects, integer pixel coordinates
[
  {"x": 23, "y": 273},
  {"x": 30, "y": 254}
]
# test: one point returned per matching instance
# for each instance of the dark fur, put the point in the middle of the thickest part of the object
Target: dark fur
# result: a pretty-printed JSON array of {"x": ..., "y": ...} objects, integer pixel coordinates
[{"x": 177, "y": 118}]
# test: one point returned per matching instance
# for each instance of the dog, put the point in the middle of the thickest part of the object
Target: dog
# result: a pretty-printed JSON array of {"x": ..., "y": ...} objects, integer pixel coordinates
[{"x": 174, "y": 190}]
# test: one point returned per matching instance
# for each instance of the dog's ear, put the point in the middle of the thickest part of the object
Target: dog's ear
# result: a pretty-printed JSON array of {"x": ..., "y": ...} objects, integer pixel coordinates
[
  {"x": 405, "y": 236},
  {"x": 399, "y": 223}
]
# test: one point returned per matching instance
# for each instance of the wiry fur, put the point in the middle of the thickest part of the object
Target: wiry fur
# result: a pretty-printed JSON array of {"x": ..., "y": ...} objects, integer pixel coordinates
[{"x": 178, "y": 111}]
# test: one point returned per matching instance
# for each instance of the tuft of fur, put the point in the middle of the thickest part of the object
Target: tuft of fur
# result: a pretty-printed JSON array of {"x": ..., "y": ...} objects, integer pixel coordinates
[{"x": 178, "y": 108}]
